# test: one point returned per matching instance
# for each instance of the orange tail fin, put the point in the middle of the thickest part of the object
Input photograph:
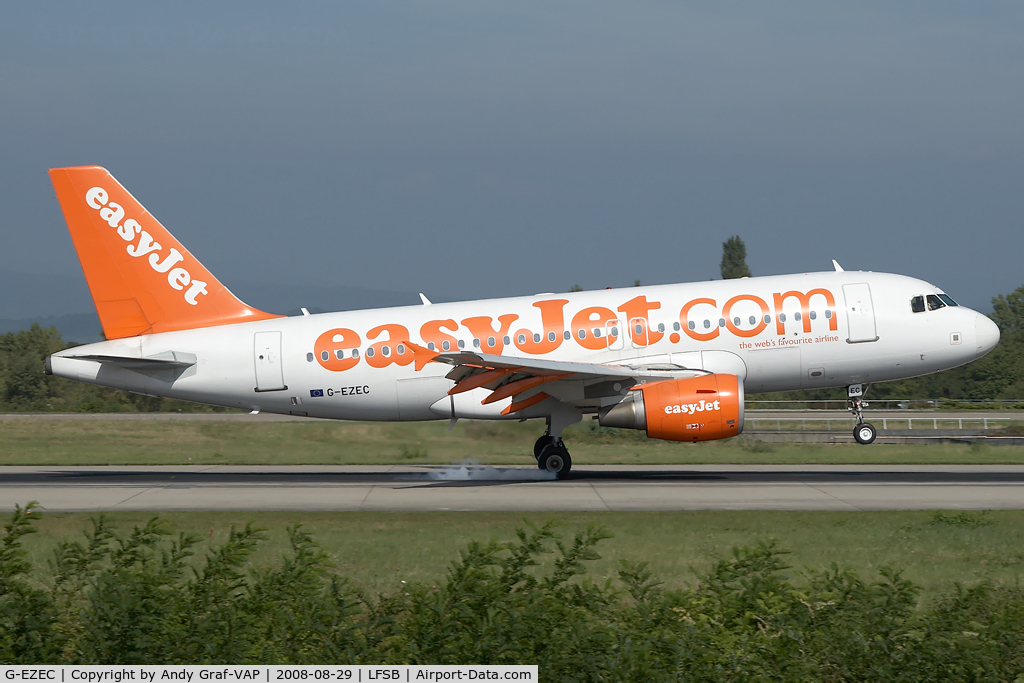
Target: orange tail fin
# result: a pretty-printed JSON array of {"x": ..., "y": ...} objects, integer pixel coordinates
[{"x": 141, "y": 279}]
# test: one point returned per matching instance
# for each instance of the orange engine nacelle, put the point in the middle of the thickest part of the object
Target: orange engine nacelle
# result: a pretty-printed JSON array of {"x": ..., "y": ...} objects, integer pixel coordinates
[{"x": 700, "y": 408}]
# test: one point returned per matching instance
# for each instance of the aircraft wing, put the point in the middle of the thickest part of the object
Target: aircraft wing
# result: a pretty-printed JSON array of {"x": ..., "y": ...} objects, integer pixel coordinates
[{"x": 529, "y": 380}]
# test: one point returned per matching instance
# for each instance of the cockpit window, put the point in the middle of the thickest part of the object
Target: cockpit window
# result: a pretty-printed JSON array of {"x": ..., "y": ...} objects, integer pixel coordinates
[
  {"x": 935, "y": 303},
  {"x": 917, "y": 304},
  {"x": 948, "y": 300}
]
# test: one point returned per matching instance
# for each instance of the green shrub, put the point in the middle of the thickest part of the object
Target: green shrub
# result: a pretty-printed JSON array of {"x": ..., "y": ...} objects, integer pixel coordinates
[{"x": 150, "y": 596}]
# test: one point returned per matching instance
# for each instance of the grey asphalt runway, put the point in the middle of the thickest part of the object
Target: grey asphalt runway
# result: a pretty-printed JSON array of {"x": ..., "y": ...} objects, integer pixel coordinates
[
  {"x": 485, "y": 488},
  {"x": 784, "y": 415}
]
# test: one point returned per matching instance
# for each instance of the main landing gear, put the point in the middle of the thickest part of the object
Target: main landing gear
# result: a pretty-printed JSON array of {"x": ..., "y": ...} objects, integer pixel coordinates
[
  {"x": 864, "y": 433},
  {"x": 552, "y": 455}
]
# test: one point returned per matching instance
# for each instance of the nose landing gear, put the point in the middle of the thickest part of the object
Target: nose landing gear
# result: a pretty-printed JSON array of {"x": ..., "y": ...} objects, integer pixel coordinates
[{"x": 864, "y": 433}]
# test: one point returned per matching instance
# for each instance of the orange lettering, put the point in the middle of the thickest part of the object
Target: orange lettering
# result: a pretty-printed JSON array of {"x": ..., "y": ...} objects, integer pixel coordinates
[
  {"x": 805, "y": 306},
  {"x": 390, "y": 350},
  {"x": 431, "y": 333},
  {"x": 330, "y": 347},
  {"x": 684, "y": 320},
  {"x": 727, "y": 314},
  {"x": 481, "y": 329},
  {"x": 587, "y": 320},
  {"x": 639, "y": 307},
  {"x": 553, "y": 324}
]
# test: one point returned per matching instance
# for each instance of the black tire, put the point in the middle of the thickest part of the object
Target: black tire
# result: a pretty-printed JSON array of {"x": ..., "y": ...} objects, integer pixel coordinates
[
  {"x": 864, "y": 433},
  {"x": 555, "y": 459},
  {"x": 543, "y": 441}
]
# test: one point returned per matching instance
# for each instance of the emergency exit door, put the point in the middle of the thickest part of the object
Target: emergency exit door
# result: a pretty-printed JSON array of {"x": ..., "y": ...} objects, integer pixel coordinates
[
  {"x": 267, "y": 355},
  {"x": 860, "y": 313}
]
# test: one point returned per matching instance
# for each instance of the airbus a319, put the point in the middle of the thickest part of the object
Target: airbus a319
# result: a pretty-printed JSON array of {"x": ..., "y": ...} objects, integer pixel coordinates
[{"x": 672, "y": 360}]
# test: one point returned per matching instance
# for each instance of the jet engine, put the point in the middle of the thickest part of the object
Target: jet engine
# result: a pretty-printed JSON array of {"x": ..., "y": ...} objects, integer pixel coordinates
[{"x": 701, "y": 408}]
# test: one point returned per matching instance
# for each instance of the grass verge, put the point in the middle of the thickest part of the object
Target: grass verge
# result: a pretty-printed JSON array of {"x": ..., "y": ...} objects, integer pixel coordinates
[
  {"x": 379, "y": 550},
  {"x": 42, "y": 441}
]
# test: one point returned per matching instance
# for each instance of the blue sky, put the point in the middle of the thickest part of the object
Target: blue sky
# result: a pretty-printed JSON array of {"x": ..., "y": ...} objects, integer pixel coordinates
[{"x": 472, "y": 149}]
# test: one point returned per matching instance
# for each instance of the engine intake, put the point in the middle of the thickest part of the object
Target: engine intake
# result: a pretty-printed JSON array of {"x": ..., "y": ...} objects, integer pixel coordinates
[{"x": 700, "y": 408}]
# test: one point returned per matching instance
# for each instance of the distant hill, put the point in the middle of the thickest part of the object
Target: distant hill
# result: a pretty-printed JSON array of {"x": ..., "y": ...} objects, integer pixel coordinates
[{"x": 64, "y": 302}]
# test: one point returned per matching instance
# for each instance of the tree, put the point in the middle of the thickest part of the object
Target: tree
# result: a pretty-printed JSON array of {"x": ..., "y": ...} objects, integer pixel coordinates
[
  {"x": 1008, "y": 311},
  {"x": 734, "y": 259}
]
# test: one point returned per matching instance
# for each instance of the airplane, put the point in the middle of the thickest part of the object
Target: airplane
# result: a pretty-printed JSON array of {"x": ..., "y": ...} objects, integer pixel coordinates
[{"x": 672, "y": 360}]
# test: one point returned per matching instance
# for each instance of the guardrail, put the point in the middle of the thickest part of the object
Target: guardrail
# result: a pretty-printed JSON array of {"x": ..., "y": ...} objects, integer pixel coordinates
[
  {"x": 828, "y": 424},
  {"x": 891, "y": 404}
]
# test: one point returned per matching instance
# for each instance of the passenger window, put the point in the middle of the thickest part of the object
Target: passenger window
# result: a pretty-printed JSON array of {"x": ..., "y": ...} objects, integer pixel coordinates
[
  {"x": 551, "y": 336},
  {"x": 445, "y": 345},
  {"x": 462, "y": 344},
  {"x": 753, "y": 320},
  {"x": 370, "y": 352},
  {"x": 505, "y": 340},
  {"x": 386, "y": 350},
  {"x": 567, "y": 335},
  {"x": 782, "y": 317},
  {"x": 340, "y": 354},
  {"x": 661, "y": 327},
  {"x": 401, "y": 349},
  {"x": 476, "y": 343},
  {"x": 309, "y": 358},
  {"x": 767, "y": 319},
  {"x": 324, "y": 355},
  {"x": 691, "y": 325},
  {"x": 431, "y": 346},
  {"x": 675, "y": 326},
  {"x": 355, "y": 353},
  {"x": 721, "y": 322},
  {"x": 522, "y": 339},
  {"x": 917, "y": 304},
  {"x": 828, "y": 313},
  {"x": 490, "y": 341},
  {"x": 813, "y": 315},
  {"x": 796, "y": 317},
  {"x": 536, "y": 338},
  {"x": 582, "y": 334},
  {"x": 707, "y": 324}
]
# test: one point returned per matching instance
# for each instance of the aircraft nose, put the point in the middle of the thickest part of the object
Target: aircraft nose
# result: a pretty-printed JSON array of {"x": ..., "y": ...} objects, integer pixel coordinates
[{"x": 986, "y": 334}]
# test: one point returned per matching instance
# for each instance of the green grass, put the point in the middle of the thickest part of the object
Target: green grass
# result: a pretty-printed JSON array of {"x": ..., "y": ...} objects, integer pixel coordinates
[
  {"x": 45, "y": 441},
  {"x": 378, "y": 550}
]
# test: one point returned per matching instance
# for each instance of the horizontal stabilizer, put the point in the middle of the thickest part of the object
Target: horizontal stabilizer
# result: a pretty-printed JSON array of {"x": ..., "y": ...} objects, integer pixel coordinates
[{"x": 168, "y": 360}]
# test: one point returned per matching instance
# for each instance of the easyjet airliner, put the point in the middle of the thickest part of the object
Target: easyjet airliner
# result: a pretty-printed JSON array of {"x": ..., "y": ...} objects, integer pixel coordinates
[{"x": 673, "y": 360}]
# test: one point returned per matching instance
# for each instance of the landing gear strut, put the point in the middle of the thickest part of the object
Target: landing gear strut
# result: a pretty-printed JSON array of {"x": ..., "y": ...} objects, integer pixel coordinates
[{"x": 863, "y": 433}]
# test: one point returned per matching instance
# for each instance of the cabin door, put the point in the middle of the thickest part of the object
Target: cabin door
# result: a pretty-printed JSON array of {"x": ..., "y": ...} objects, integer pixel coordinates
[
  {"x": 267, "y": 356},
  {"x": 860, "y": 313}
]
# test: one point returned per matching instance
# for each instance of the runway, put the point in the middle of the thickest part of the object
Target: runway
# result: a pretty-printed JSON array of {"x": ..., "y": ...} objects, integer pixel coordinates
[{"x": 485, "y": 488}]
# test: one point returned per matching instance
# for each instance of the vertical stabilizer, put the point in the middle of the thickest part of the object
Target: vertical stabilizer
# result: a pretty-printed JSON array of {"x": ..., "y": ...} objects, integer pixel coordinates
[{"x": 141, "y": 278}]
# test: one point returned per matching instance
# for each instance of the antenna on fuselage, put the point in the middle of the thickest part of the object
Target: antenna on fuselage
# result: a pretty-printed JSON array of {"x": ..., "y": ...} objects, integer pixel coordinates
[
  {"x": 424, "y": 299},
  {"x": 839, "y": 268}
]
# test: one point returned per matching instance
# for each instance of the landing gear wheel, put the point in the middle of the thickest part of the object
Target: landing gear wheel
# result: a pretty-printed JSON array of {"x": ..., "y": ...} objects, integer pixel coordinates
[
  {"x": 555, "y": 458},
  {"x": 864, "y": 433},
  {"x": 543, "y": 441}
]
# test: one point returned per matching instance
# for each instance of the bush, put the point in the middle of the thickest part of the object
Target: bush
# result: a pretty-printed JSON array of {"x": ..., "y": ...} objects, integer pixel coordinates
[{"x": 147, "y": 596}]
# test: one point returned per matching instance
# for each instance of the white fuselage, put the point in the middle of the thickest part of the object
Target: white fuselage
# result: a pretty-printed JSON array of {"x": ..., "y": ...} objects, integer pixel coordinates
[{"x": 853, "y": 327}]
